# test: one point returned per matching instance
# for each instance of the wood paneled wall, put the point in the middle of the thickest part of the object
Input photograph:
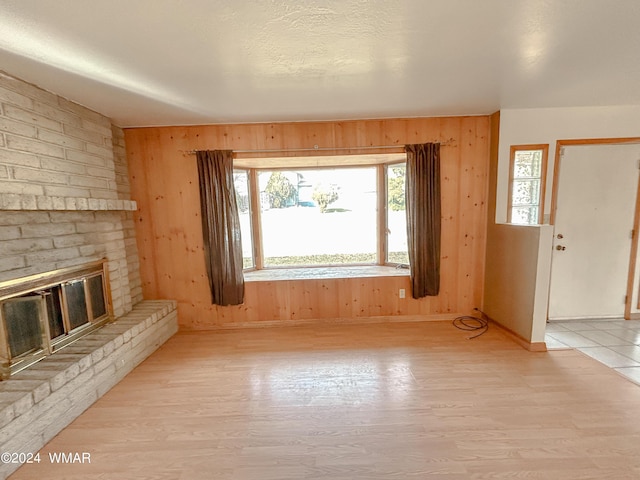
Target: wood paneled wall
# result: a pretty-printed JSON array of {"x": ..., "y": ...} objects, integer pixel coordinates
[{"x": 164, "y": 182}]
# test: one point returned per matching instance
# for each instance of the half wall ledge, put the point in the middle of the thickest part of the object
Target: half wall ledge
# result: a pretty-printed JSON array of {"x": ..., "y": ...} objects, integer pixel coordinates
[{"x": 37, "y": 403}]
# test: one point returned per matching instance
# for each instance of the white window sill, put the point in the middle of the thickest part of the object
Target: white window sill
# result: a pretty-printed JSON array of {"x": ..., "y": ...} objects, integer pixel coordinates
[{"x": 319, "y": 273}]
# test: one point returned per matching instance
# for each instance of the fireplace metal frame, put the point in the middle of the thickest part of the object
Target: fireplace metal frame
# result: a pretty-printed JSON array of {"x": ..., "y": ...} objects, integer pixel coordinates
[{"x": 36, "y": 288}]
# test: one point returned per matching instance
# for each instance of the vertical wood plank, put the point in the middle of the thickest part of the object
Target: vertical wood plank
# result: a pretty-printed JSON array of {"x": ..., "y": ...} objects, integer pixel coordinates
[{"x": 164, "y": 182}]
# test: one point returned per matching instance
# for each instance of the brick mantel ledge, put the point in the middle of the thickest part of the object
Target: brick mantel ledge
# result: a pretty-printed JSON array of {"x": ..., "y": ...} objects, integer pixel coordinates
[{"x": 20, "y": 201}]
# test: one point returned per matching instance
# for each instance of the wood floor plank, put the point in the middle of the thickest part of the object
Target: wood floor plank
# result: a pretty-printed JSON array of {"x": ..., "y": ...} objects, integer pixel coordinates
[{"x": 415, "y": 400}]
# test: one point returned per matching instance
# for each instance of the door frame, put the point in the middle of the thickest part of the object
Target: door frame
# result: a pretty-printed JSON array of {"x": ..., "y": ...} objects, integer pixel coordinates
[{"x": 560, "y": 144}]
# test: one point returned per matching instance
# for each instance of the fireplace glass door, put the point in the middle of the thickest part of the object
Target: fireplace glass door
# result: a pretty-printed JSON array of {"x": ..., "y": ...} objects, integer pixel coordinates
[
  {"x": 53, "y": 299},
  {"x": 76, "y": 301},
  {"x": 22, "y": 325},
  {"x": 42, "y": 314},
  {"x": 95, "y": 290}
]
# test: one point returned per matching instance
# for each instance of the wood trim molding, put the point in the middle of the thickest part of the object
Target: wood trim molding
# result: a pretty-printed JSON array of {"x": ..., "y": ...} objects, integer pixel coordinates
[
  {"x": 382, "y": 223},
  {"x": 599, "y": 141},
  {"x": 634, "y": 258},
  {"x": 555, "y": 181},
  {"x": 524, "y": 343},
  {"x": 449, "y": 317},
  {"x": 256, "y": 220}
]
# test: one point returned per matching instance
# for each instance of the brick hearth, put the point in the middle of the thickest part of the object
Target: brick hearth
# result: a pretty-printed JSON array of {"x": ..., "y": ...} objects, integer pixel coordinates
[{"x": 39, "y": 402}]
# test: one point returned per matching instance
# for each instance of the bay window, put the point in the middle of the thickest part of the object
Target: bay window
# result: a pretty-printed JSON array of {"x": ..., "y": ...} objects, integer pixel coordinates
[{"x": 326, "y": 215}]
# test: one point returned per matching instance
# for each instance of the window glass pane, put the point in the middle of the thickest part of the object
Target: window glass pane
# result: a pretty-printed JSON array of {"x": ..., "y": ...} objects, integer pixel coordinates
[
  {"x": 396, "y": 215},
  {"x": 526, "y": 192},
  {"x": 241, "y": 185},
  {"x": 318, "y": 217},
  {"x": 524, "y": 215},
  {"x": 527, "y": 164}
]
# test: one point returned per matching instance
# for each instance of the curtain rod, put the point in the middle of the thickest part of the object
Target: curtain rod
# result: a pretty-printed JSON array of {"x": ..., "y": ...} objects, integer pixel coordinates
[{"x": 316, "y": 148}]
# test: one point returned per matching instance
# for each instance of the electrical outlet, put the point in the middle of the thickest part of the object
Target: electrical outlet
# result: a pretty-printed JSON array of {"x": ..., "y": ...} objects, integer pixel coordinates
[{"x": 401, "y": 293}]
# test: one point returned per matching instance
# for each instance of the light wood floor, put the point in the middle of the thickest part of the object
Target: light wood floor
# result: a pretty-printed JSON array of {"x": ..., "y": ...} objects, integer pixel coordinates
[{"x": 356, "y": 402}]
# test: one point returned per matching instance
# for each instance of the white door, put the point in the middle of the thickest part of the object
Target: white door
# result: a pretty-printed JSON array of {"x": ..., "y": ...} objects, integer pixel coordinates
[{"x": 596, "y": 200}]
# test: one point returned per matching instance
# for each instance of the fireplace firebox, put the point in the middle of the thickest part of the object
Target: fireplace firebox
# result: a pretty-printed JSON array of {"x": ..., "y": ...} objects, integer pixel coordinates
[{"x": 42, "y": 313}]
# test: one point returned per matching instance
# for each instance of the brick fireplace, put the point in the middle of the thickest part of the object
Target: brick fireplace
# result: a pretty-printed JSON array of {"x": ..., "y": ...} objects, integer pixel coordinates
[
  {"x": 43, "y": 313},
  {"x": 65, "y": 202}
]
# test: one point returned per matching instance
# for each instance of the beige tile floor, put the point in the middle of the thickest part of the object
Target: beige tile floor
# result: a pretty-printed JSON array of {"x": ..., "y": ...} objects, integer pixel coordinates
[{"x": 614, "y": 342}]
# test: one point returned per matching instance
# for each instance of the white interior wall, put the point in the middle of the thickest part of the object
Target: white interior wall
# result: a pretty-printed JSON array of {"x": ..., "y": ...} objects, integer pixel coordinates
[{"x": 548, "y": 125}]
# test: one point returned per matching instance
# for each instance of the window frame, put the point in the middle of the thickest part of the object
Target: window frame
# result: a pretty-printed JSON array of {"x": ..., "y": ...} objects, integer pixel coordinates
[
  {"x": 250, "y": 206},
  {"x": 385, "y": 222},
  {"x": 544, "y": 148},
  {"x": 381, "y": 217}
]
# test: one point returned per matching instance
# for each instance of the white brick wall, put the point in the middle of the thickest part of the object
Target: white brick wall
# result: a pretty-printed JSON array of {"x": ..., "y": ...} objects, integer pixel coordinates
[
  {"x": 124, "y": 192},
  {"x": 34, "y": 242},
  {"x": 121, "y": 167},
  {"x": 57, "y": 157},
  {"x": 55, "y": 137}
]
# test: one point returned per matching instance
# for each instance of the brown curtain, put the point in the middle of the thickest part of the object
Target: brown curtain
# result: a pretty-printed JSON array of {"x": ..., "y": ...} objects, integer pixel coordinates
[
  {"x": 220, "y": 227},
  {"x": 423, "y": 217}
]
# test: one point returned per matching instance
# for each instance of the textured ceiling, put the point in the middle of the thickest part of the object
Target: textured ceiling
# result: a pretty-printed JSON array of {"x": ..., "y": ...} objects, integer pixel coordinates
[{"x": 171, "y": 62}]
